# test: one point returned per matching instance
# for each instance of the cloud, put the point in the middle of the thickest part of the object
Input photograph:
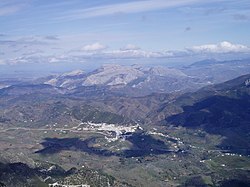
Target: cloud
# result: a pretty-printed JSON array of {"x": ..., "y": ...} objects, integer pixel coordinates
[
  {"x": 123, "y": 54},
  {"x": 9, "y": 10},
  {"x": 241, "y": 17},
  {"x": 51, "y": 37},
  {"x": 8, "y": 7},
  {"x": 38, "y": 59},
  {"x": 97, "y": 51},
  {"x": 223, "y": 47},
  {"x": 7, "y": 42},
  {"x": 205, "y": 11},
  {"x": 130, "y": 47},
  {"x": 94, "y": 47},
  {"x": 33, "y": 52},
  {"x": 125, "y": 8},
  {"x": 129, "y": 51},
  {"x": 28, "y": 41}
]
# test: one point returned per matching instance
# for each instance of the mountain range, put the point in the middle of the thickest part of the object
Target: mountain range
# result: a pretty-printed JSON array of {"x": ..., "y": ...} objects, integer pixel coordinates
[
  {"x": 186, "y": 128},
  {"x": 140, "y": 81}
]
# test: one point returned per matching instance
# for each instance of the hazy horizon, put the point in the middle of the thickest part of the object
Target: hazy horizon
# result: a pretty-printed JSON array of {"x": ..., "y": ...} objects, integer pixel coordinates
[{"x": 42, "y": 37}]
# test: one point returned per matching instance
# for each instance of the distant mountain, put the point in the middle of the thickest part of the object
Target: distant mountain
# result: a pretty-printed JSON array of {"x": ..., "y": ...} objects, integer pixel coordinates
[
  {"x": 128, "y": 80},
  {"x": 205, "y": 62},
  {"x": 213, "y": 71},
  {"x": 113, "y": 75},
  {"x": 135, "y": 80},
  {"x": 145, "y": 94},
  {"x": 214, "y": 62},
  {"x": 68, "y": 80},
  {"x": 140, "y": 81}
]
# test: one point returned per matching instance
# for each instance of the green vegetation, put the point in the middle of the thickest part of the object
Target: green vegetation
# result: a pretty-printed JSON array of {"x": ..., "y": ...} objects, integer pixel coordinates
[{"x": 205, "y": 142}]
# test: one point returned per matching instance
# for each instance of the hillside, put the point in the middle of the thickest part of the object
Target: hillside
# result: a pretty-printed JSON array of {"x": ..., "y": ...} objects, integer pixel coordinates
[
  {"x": 221, "y": 109},
  {"x": 95, "y": 136}
]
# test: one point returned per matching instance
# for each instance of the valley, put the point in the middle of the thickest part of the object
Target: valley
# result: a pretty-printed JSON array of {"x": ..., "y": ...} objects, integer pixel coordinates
[
  {"x": 98, "y": 136},
  {"x": 191, "y": 154}
]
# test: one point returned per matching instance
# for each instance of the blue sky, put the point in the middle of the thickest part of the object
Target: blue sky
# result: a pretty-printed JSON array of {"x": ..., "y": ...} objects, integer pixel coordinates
[{"x": 36, "y": 32}]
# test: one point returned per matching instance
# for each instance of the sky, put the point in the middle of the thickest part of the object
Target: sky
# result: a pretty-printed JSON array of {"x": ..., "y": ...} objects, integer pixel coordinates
[{"x": 59, "y": 35}]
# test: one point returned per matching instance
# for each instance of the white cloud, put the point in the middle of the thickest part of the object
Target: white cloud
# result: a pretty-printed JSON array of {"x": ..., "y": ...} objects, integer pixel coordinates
[
  {"x": 20, "y": 41},
  {"x": 223, "y": 47},
  {"x": 53, "y": 60},
  {"x": 127, "y": 54},
  {"x": 130, "y": 47},
  {"x": 133, "y": 54},
  {"x": 130, "y": 7},
  {"x": 94, "y": 47},
  {"x": 51, "y": 37},
  {"x": 96, "y": 51},
  {"x": 8, "y": 7},
  {"x": 8, "y": 10}
]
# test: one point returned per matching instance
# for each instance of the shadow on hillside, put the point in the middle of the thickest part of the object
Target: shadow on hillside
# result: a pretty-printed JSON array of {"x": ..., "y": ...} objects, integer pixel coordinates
[
  {"x": 143, "y": 145},
  {"x": 56, "y": 145},
  {"x": 220, "y": 115},
  {"x": 235, "y": 183}
]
